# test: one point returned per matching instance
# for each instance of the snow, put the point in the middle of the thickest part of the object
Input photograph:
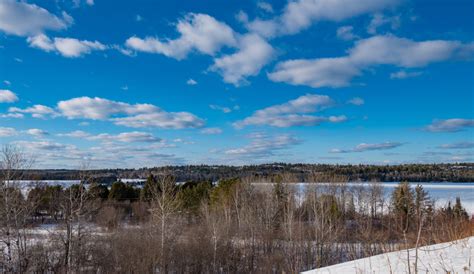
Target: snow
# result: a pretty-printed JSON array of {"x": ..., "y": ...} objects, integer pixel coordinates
[{"x": 451, "y": 257}]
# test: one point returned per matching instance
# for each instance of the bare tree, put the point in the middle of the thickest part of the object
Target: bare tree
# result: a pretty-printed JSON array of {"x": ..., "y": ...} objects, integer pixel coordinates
[{"x": 14, "y": 209}]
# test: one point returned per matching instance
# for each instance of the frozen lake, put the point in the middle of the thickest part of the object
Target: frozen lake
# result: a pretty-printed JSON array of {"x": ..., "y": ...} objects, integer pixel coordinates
[{"x": 441, "y": 192}]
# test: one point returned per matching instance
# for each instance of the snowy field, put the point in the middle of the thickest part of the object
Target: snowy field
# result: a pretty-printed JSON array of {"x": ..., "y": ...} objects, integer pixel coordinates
[{"x": 451, "y": 257}]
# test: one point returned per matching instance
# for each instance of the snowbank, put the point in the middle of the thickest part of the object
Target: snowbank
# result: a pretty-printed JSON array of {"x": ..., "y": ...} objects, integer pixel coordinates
[{"x": 451, "y": 257}]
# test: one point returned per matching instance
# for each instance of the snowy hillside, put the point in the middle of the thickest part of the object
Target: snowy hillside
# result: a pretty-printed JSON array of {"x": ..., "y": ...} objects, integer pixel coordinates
[{"x": 451, "y": 257}]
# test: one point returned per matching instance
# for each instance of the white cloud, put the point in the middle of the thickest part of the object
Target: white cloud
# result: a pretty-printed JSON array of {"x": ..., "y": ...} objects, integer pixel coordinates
[
  {"x": 127, "y": 137},
  {"x": 293, "y": 113},
  {"x": 7, "y": 132},
  {"x": 450, "y": 125},
  {"x": 6, "y": 82},
  {"x": 300, "y": 14},
  {"x": 36, "y": 111},
  {"x": 369, "y": 147},
  {"x": 90, "y": 2},
  {"x": 346, "y": 33},
  {"x": 377, "y": 50},
  {"x": 137, "y": 115},
  {"x": 138, "y": 18},
  {"x": 23, "y": 19},
  {"x": 402, "y": 74},
  {"x": 67, "y": 47},
  {"x": 211, "y": 130},
  {"x": 254, "y": 53},
  {"x": 265, "y": 6},
  {"x": 458, "y": 145},
  {"x": 7, "y": 96},
  {"x": 357, "y": 101},
  {"x": 324, "y": 72},
  {"x": 191, "y": 82},
  {"x": 221, "y": 108},
  {"x": 378, "y": 20},
  {"x": 198, "y": 32},
  {"x": 263, "y": 146},
  {"x": 37, "y": 132},
  {"x": 75, "y": 134}
]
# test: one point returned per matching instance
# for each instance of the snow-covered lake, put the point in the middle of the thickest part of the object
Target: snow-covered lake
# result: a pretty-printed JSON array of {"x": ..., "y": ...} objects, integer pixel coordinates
[{"x": 441, "y": 192}]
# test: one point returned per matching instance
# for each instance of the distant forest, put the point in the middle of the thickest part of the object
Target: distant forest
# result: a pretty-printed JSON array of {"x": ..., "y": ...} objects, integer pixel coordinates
[{"x": 460, "y": 172}]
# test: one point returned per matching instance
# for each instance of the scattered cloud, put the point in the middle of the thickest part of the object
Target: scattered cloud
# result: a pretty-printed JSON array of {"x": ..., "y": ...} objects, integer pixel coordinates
[
  {"x": 263, "y": 146},
  {"x": 253, "y": 53},
  {"x": 265, "y": 6},
  {"x": 67, "y": 47},
  {"x": 7, "y": 132},
  {"x": 450, "y": 125},
  {"x": 126, "y": 137},
  {"x": 138, "y": 18},
  {"x": 293, "y": 113},
  {"x": 379, "y": 20},
  {"x": 402, "y": 74},
  {"x": 211, "y": 130},
  {"x": 368, "y": 147},
  {"x": 36, "y": 132},
  {"x": 300, "y": 14},
  {"x": 357, "y": 101},
  {"x": 191, "y": 82},
  {"x": 7, "y": 96},
  {"x": 198, "y": 32},
  {"x": 136, "y": 116},
  {"x": 346, "y": 33},
  {"x": 36, "y": 111},
  {"x": 377, "y": 50},
  {"x": 224, "y": 109},
  {"x": 6, "y": 82},
  {"x": 23, "y": 19},
  {"x": 75, "y": 134},
  {"x": 458, "y": 145}
]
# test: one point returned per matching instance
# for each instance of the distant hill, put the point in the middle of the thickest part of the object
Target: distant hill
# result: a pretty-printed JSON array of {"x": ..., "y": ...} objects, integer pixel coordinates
[{"x": 460, "y": 172}]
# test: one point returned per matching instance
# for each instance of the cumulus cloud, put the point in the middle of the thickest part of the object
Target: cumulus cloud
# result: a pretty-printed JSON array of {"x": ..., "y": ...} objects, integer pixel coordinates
[
  {"x": 211, "y": 130},
  {"x": 75, "y": 134},
  {"x": 402, "y": 74},
  {"x": 458, "y": 145},
  {"x": 293, "y": 113},
  {"x": 379, "y": 20},
  {"x": 127, "y": 137},
  {"x": 7, "y": 132},
  {"x": 262, "y": 146},
  {"x": 7, "y": 96},
  {"x": 191, "y": 82},
  {"x": 265, "y": 6},
  {"x": 346, "y": 33},
  {"x": 300, "y": 14},
  {"x": 23, "y": 19},
  {"x": 136, "y": 115},
  {"x": 323, "y": 72},
  {"x": 36, "y": 111},
  {"x": 357, "y": 101},
  {"x": 368, "y": 147},
  {"x": 254, "y": 53},
  {"x": 450, "y": 125},
  {"x": 36, "y": 132},
  {"x": 198, "y": 32},
  {"x": 67, "y": 47},
  {"x": 374, "y": 51}
]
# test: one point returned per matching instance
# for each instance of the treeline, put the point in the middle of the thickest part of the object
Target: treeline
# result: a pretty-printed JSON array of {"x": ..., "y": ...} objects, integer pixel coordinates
[
  {"x": 198, "y": 227},
  {"x": 462, "y": 172}
]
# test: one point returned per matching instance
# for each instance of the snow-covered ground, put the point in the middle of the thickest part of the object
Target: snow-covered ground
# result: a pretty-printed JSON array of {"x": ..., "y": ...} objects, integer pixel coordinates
[{"x": 451, "y": 257}]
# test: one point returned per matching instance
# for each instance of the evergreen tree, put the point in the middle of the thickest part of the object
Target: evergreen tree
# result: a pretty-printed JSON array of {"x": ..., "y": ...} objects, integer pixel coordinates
[{"x": 403, "y": 204}]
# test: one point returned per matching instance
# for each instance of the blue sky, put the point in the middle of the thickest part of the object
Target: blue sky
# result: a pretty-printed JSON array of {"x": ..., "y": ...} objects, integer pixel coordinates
[{"x": 149, "y": 83}]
